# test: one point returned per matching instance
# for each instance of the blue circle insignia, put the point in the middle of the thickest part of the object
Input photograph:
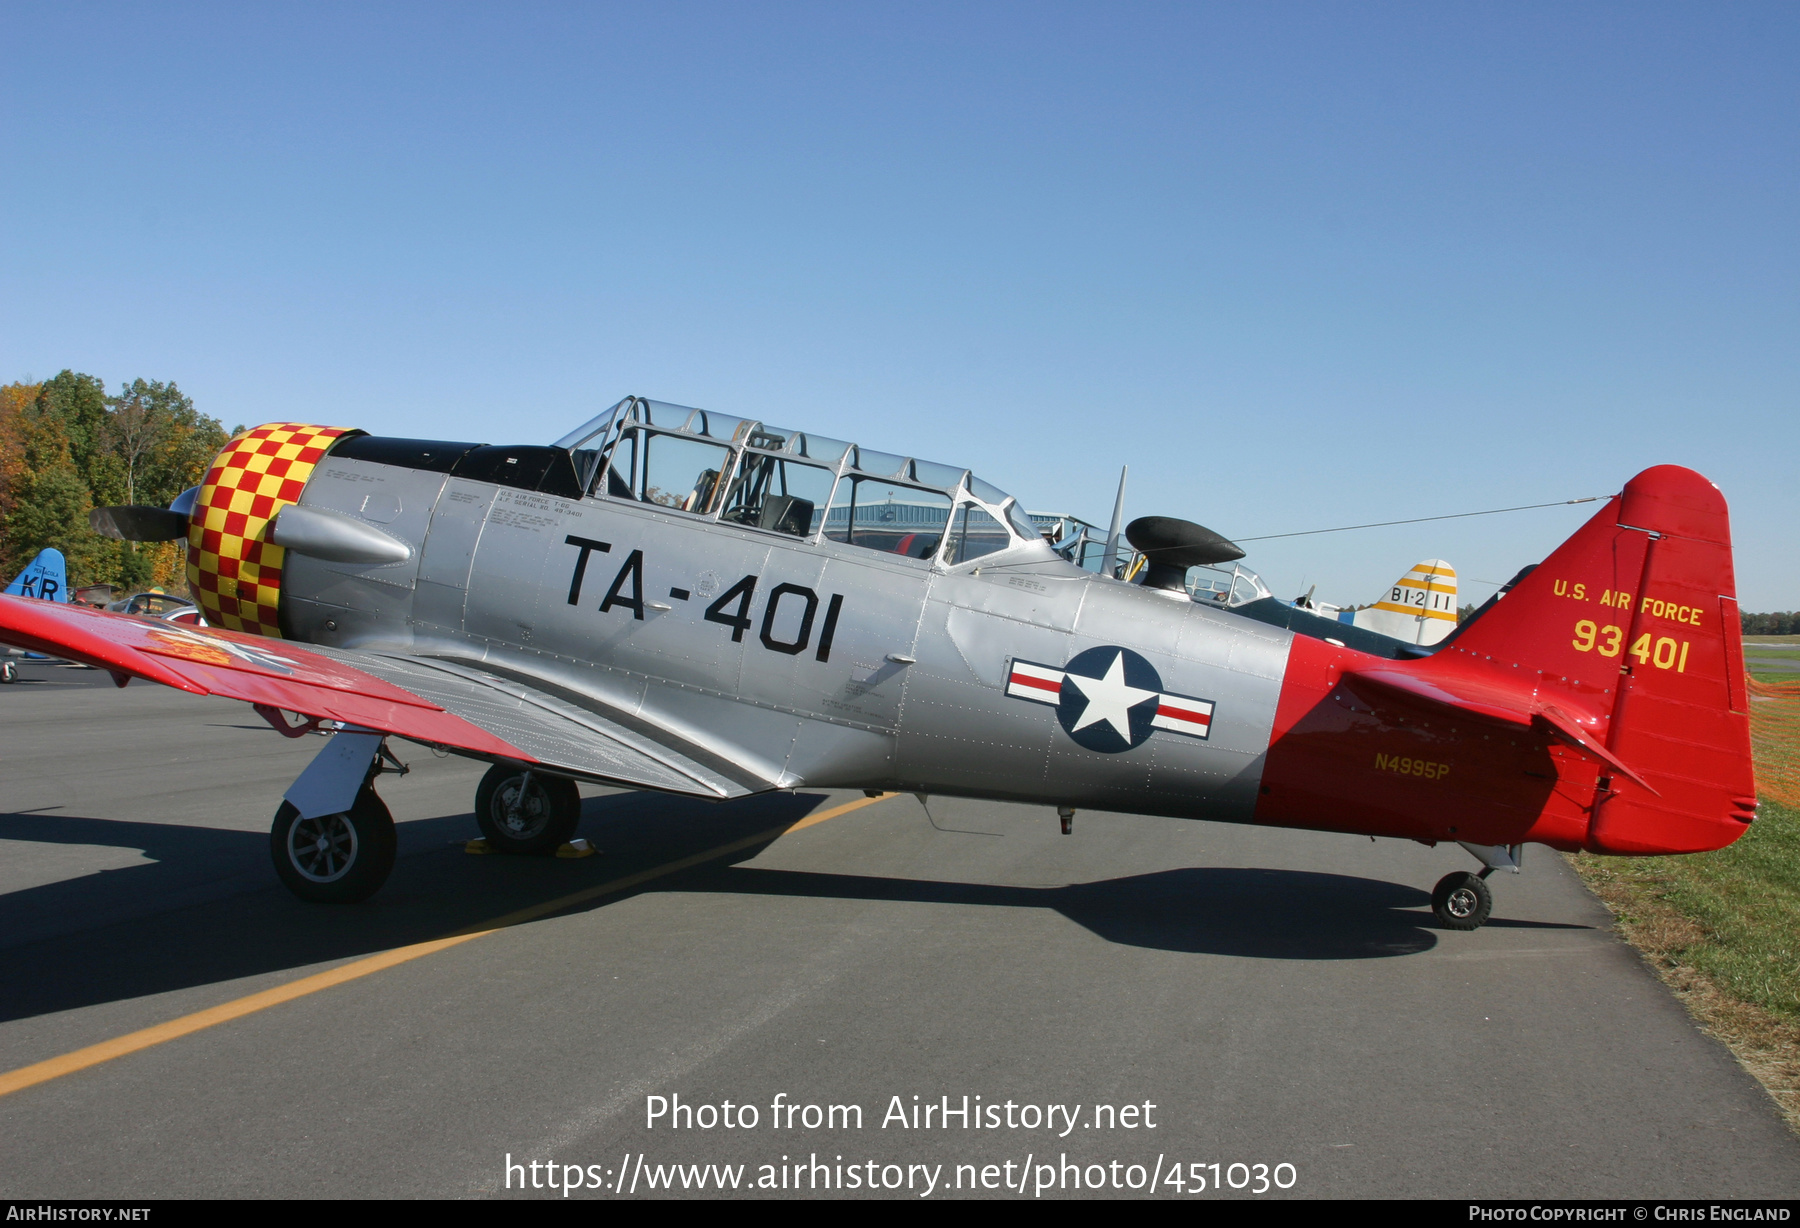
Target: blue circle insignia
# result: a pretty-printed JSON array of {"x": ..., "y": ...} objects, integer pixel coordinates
[{"x": 1109, "y": 698}]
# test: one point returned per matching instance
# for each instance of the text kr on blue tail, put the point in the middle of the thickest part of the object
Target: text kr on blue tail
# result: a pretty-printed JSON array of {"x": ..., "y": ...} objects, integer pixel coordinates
[{"x": 45, "y": 577}]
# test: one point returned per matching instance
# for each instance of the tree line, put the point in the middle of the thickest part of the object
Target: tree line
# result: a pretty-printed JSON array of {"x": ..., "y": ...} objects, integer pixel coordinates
[
  {"x": 66, "y": 446},
  {"x": 1783, "y": 623}
]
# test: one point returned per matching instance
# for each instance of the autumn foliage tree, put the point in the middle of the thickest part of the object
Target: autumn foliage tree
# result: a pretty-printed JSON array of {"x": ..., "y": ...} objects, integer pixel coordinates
[
  {"x": 1780, "y": 622},
  {"x": 66, "y": 447}
]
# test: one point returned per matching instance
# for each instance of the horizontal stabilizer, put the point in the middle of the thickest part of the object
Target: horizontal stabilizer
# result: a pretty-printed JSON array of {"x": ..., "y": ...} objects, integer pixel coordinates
[
  {"x": 1497, "y": 701},
  {"x": 1563, "y": 727}
]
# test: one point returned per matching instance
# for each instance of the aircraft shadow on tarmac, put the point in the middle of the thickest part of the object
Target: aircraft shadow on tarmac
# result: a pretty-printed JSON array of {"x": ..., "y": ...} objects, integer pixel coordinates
[
  {"x": 204, "y": 908},
  {"x": 1252, "y": 913},
  {"x": 183, "y": 865},
  {"x": 204, "y": 905}
]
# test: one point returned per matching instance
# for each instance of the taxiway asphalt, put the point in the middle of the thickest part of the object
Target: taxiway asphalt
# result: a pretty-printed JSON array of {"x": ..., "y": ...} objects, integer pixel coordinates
[{"x": 1280, "y": 997}]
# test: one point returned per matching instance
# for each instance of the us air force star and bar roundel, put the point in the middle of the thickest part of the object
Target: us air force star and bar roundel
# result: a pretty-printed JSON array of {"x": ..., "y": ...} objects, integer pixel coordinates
[{"x": 1109, "y": 699}]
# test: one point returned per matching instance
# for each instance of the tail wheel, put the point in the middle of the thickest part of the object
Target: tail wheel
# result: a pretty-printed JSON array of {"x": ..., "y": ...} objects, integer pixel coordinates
[
  {"x": 334, "y": 858},
  {"x": 522, "y": 811},
  {"x": 9, "y": 671},
  {"x": 1462, "y": 901}
]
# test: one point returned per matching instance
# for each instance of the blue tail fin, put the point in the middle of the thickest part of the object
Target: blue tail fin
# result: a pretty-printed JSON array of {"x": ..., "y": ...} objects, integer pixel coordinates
[{"x": 45, "y": 577}]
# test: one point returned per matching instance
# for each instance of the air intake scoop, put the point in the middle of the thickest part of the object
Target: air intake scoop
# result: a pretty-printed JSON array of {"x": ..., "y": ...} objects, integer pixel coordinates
[{"x": 1171, "y": 546}]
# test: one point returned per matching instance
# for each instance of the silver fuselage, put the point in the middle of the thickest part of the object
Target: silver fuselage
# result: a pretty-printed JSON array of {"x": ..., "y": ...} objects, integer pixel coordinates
[{"x": 909, "y": 694}]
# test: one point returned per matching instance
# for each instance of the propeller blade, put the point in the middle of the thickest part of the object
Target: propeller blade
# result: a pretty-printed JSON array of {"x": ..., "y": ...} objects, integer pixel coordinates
[{"x": 138, "y": 524}]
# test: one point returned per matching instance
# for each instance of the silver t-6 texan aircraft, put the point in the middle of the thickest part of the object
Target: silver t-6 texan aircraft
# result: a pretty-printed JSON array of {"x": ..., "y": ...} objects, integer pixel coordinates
[{"x": 673, "y": 599}]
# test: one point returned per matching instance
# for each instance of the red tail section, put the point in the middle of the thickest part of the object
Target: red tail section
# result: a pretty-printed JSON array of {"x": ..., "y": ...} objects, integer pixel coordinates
[
  {"x": 1630, "y": 629},
  {"x": 1600, "y": 704}
]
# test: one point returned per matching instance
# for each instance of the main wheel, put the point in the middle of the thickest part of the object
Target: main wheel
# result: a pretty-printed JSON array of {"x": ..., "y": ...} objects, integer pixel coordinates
[
  {"x": 521, "y": 811},
  {"x": 1462, "y": 901},
  {"x": 335, "y": 858}
]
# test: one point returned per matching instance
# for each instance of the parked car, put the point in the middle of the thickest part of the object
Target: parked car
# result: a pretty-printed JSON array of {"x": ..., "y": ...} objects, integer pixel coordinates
[{"x": 159, "y": 605}]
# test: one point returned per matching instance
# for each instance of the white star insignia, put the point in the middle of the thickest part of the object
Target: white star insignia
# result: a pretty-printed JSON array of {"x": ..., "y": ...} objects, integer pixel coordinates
[{"x": 1109, "y": 699}]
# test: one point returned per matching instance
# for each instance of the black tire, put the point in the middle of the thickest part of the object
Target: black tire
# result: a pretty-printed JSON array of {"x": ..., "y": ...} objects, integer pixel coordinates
[
  {"x": 1462, "y": 901},
  {"x": 336, "y": 858},
  {"x": 539, "y": 821}
]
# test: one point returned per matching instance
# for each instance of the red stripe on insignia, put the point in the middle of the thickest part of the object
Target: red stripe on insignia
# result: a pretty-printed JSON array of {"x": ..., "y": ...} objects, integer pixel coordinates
[
  {"x": 1184, "y": 714},
  {"x": 1043, "y": 684}
]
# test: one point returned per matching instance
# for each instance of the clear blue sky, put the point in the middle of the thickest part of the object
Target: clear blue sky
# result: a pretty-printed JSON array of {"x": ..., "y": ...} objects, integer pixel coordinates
[{"x": 1299, "y": 265}]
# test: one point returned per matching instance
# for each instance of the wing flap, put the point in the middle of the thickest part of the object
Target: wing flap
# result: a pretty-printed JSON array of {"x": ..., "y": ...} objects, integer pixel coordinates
[{"x": 558, "y": 733}]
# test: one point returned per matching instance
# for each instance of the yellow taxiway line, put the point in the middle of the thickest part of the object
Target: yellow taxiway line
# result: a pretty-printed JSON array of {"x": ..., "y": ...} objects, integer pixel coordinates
[{"x": 132, "y": 1042}]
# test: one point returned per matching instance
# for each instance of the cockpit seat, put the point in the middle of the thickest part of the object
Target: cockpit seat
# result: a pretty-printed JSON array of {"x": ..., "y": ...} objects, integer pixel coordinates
[
  {"x": 918, "y": 545},
  {"x": 786, "y": 514}
]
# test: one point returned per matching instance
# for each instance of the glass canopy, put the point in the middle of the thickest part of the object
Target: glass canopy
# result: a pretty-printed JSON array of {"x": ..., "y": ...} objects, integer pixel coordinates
[{"x": 768, "y": 477}]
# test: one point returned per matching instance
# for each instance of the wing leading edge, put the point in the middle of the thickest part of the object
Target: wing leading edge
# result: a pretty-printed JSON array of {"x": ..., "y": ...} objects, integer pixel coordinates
[{"x": 422, "y": 700}]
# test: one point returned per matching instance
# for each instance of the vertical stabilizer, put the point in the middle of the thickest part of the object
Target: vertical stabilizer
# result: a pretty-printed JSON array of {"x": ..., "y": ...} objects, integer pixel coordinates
[
  {"x": 45, "y": 577},
  {"x": 1419, "y": 607}
]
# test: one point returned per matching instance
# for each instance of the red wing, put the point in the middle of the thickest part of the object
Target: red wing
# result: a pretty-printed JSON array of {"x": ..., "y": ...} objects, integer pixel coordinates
[
  {"x": 426, "y": 700},
  {"x": 208, "y": 661}
]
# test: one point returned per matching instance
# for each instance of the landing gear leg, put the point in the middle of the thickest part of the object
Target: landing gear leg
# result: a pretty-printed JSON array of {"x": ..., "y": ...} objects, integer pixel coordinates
[
  {"x": 522, "y": 811},
  {"x": 9, "y": 671},
  {"x": 1462, "y": 901}
]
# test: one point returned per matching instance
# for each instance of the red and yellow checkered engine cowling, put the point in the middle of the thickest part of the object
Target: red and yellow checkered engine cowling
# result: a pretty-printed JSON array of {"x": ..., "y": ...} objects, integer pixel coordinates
[{"x": 234, "y": 574}]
